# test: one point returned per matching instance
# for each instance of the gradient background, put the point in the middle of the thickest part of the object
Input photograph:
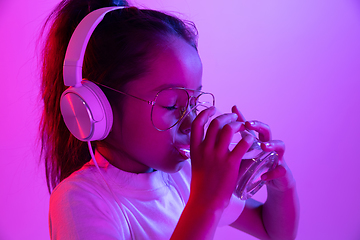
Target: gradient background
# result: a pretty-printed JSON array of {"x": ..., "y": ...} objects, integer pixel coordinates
[{"x": 292, "y": 64}]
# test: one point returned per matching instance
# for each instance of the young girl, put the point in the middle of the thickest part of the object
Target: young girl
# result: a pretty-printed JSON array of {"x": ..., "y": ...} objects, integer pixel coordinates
[{"x": 145, "y": 187}]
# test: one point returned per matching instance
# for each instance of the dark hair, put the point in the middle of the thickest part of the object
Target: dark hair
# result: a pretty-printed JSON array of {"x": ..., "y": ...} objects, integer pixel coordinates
[{"x": 118, "y": 52}]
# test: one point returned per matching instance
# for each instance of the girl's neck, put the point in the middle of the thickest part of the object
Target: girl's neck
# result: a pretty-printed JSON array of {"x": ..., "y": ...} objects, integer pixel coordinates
[{"x": 122, "y": 161}]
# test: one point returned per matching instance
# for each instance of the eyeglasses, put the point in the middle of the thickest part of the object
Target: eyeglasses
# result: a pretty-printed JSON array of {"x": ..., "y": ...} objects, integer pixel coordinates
[{"x": 171, "y": 105}]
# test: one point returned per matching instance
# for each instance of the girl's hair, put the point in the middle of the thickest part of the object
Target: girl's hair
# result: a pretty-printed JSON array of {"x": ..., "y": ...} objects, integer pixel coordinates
[{"x": 118, "y": 52}]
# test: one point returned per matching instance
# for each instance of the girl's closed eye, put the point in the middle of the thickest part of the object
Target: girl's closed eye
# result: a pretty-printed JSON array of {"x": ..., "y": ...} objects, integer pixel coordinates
[
  {"x": 175, "y": 110},
  {"x": 171, "y": 107}
]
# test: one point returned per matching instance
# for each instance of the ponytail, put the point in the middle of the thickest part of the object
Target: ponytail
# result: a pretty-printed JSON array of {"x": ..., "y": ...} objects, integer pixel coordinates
[{"x": 119, "y": 51}]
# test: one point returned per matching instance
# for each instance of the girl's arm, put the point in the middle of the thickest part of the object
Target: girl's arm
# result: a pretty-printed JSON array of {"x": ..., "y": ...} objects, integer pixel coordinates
[
  {"x": 214, "y": 177},
  {"x": 214, "y": 174}
]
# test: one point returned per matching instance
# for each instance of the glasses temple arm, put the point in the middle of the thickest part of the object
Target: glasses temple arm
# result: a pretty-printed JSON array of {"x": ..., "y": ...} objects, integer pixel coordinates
[{"x": 126, "y": 94}]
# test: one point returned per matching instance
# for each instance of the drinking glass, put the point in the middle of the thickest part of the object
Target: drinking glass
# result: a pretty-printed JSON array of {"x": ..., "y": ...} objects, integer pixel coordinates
[{"x": 254, "y": 163}]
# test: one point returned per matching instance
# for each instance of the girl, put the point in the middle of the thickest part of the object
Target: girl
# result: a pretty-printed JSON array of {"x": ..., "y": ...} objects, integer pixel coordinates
[{"x": 146, "y": 62}]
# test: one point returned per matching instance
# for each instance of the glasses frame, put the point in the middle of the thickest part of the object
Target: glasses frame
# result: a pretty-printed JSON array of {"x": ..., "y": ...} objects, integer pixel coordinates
[{"x": 153, "y": 102}]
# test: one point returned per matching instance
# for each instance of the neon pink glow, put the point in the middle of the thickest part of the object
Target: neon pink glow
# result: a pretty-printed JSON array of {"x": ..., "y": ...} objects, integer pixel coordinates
[{"x": 291, "y": 64}]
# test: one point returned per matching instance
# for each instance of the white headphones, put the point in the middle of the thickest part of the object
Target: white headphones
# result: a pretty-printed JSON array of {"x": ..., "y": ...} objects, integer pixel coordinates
[{"x": 85, "y": 109}]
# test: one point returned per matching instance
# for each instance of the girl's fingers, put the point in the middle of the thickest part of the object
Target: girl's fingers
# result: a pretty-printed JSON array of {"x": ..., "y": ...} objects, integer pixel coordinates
[
  {"x": 262, "y": 128},
  {"x": 274, "y": 145},
  {"x": 278, "y": 172},
  {"x": 197, "y": 127},
  {"x": 226, "y": 134},
  {"x": 241, "y": 117},
  {"x": 216, "y": 127},
  {"x": 213, "y": 131},
  {"x": 242, "y": 147}
]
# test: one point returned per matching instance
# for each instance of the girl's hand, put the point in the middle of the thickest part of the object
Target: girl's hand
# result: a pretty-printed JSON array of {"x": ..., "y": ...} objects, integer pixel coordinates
[
  {"x": 281, "y": 178},
  {"x": 214, "y": 168}
]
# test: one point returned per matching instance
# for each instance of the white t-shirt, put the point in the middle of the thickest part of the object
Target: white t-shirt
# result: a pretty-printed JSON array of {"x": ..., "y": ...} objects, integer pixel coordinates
[{"x": 124, "y": 205}]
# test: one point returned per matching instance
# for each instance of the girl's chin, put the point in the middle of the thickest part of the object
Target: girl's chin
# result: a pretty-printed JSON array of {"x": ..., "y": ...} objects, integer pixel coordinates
[
  {"x": 173, "y": 168},
  {"x": 176, "y": 168}
]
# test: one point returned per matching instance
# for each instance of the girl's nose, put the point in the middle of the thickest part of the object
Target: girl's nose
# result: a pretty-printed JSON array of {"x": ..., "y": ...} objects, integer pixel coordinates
[{"x": 185, "y": 124}]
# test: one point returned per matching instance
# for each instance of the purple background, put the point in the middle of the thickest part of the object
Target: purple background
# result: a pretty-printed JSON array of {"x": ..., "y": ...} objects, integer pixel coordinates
[{"x": 292, "y": 64}]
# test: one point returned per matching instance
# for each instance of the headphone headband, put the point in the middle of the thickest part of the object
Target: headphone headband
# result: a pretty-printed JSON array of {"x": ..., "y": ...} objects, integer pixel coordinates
[
  {"x": 85, "y": 109},
  {"x": 75, "y": 52}
]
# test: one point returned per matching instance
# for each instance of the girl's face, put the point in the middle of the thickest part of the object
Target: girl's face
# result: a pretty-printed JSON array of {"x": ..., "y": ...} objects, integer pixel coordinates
[{"x": 136, "y": 145}]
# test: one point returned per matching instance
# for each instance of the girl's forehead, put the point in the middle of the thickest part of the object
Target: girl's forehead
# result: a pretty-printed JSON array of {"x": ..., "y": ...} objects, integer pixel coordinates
[{"x": 178, "y": 65}]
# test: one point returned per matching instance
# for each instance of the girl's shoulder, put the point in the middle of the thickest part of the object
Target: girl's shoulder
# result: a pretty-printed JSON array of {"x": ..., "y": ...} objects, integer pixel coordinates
[
  {"x": 82, "y": 182},
  {"x": 81, "y": 205}
]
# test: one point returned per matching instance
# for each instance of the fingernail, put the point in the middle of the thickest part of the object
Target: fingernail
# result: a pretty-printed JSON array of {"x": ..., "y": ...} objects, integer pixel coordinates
[
  {"x": 265, "y": 146},
  {"x": 250, "y": 124}
]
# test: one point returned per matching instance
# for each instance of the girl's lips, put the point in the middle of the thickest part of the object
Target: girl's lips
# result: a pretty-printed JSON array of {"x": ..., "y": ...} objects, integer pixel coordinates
[{"x": 184, "y": 151}]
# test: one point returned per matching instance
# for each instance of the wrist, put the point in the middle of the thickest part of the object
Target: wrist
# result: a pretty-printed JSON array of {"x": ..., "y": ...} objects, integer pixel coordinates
[
  {"x": 197, "y": 221},
  {"x": 207, "y": 205}
]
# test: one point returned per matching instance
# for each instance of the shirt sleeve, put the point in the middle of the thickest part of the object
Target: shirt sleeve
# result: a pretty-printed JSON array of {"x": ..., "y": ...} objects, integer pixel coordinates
[{"x": 79, "y": 212}]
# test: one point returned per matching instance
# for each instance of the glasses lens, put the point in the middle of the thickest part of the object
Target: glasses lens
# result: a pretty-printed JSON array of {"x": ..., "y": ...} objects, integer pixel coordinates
[
  {"x": 201, "y": 102},
  {"x": 169, "y": 107}
]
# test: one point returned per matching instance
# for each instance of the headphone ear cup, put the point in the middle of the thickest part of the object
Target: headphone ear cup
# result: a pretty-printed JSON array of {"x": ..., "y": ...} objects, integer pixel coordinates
[{"x": 86, "y": 112}]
